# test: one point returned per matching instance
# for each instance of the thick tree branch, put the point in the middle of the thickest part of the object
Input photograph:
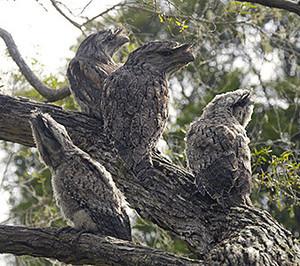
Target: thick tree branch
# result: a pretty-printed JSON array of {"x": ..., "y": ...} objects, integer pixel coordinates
[
  {"x": 50, "y": 94},
  {"x": 167, "y": 197},
  {"x": 281, "y": 4},
  {"x": 88, "y": 249}
]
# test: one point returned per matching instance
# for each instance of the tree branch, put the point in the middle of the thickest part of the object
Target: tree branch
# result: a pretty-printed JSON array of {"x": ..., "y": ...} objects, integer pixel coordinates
[
  {"x": 74, "y": 23},
  {"x": 50, "y": 94},
  {"x": 104, "y": 12},
  {"x": 89, "y": 249},
  {"x": 154, "y": 11},
  {"x": 281, "y": 4},
  {"x": 167, "y": 197}
]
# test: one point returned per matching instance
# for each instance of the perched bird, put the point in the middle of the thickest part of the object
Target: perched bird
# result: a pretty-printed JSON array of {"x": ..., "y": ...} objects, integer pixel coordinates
[
  {"x": 135, "y": 103},
  {"x": 93, "y": 62},
  {"x": 84, "y": 190},
  {"x": 217, "y": 149}
]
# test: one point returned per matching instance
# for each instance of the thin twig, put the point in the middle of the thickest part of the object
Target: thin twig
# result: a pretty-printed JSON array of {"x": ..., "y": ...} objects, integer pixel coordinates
[
  {"x": 104, "y": 12},
  {"x": 84, "y": 8}
]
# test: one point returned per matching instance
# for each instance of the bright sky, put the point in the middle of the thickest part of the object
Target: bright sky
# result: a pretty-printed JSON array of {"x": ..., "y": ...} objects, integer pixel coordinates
[{"x": 41, "y": 34}]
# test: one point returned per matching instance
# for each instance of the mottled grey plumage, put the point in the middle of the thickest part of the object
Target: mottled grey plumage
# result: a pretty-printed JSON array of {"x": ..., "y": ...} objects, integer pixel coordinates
[
  {"x": 88, "y": 70},
  {"x": 135, "y": 102},
  {"x": 217, "y": 149},
  {"x": 84, "y": 190}
]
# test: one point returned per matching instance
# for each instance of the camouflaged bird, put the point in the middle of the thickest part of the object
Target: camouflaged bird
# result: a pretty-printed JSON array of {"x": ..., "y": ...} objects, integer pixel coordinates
[
  {"x": 88, "y": 70},
  {"x": 217, "y": 149},
  {"x": 84, "y": 190},
  {"x": 135, "y": 102}
]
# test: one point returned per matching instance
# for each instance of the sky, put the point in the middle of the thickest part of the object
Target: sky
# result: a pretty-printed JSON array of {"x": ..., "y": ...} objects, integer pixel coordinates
[{"x": 40, "y": 32}]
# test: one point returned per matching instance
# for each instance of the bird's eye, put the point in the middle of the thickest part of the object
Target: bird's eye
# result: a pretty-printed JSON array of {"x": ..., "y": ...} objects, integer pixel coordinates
[
  {"x": 166, "y": 53},
  {"x": 110, "y": 38}
]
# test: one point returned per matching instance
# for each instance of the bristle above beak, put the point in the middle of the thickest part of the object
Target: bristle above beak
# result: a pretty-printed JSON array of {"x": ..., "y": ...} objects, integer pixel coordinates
[
  {"x": 119, "y": 30},
  {"x": 184, "y": 47}
]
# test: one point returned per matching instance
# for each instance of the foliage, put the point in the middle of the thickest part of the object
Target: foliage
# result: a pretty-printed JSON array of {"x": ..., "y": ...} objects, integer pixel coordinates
[
  {"x": 276, "y": 185},
  {"x": 149, "y": 234}
]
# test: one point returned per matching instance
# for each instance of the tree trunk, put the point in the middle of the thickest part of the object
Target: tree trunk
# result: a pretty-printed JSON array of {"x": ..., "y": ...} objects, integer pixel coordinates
[{"x": 167, "y": 197}]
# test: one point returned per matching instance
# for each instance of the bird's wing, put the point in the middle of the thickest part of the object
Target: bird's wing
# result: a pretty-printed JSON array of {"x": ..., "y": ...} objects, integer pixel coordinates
[
  {"x": 118, "y": 107},
  {"x": 213, "y": 159},
  {"x": 86, "y": 79},
  {"x": 152, "y": 112},
  {"x": 90, "y": 187}
]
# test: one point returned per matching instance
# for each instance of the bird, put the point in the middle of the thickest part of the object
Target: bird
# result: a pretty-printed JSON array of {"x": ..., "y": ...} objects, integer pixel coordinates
[
  {"x": 135, "y": 104},
  {"x": 84, "y": 190},
  {"x": 91, "y": 65},
  {"x": 217, "y": 149}
]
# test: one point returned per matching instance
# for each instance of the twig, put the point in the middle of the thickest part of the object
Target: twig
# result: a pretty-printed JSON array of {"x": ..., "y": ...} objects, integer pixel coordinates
[
  {"x": 64, "y": 15},
  {"x": 104, "y": 12}
]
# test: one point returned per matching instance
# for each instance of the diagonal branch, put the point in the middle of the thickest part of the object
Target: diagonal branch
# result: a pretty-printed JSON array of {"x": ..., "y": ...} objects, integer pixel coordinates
[
  {"x": 50, "y": 94},
  {"x": 167, "y": 197},
  {"x": 74, "y": 23},
  {"x": 88, "y": 249},
  {"x": 103, "y": 13},
  {"x": 281, "y": 4}
]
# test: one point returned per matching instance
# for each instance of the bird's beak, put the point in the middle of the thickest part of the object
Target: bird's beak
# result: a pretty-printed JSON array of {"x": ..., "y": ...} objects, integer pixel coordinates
[
  {"x": 121, "y": 35},
  {"x": 184, "y": 53}
]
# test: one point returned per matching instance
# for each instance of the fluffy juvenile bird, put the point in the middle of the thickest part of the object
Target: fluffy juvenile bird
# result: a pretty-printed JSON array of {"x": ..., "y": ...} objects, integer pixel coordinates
[
  {"x": 217, "y": 149},
  {"x": 83, "y": 189},
  {"x": 135, "y": 103},
  {"x": 93, "y": 62}
]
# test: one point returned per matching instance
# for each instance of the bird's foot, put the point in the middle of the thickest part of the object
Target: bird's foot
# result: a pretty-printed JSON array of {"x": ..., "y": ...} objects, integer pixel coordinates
[
  {"x": 67, "y": 229},
  {"x": 78, "y": 234}
]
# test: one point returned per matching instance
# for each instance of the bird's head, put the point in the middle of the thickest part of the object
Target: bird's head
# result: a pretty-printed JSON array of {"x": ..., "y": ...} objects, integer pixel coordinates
[
  {"x": 161, "y": 56},
  {"x": 238, "y": 103},
  {"x": 105, "y": 42},
  {"x": 50, "y": 137}
]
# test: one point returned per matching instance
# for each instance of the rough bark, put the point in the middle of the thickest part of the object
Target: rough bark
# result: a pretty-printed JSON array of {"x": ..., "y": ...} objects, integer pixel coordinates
[
  {"x": 50, "y": 94},
  {"x": 88, "y": 249},
  {"x": 240, "y": 236}
]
